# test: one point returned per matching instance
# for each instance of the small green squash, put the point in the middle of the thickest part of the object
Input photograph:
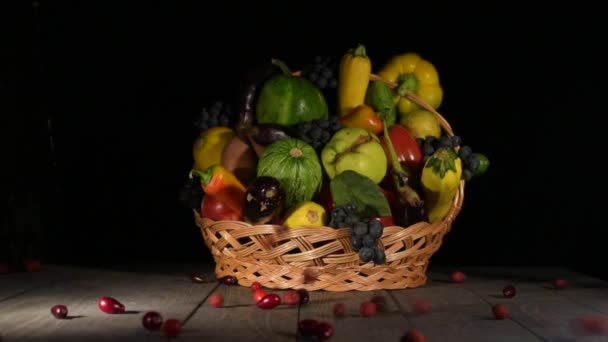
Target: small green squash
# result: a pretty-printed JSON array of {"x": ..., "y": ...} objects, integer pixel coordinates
[
  {"x": 287, "y": 100},
  {"x": 296, "y": 165}
]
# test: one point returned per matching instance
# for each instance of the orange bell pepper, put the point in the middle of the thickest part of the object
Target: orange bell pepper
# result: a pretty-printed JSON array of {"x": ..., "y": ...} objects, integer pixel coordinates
[
  {"x": 221, "y": 183},
  {"x": 363, "y": 116}
]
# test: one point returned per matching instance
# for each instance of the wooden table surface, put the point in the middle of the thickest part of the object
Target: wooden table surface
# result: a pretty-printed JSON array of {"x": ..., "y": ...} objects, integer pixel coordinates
[{"x": 460, "y": 312}]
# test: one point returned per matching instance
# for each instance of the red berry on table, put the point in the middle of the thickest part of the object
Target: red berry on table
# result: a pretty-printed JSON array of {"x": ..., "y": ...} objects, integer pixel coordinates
[
  {"x": 59, "y": 311},
  {"x": 110, "y": 305},
  {"x": 291, "y": 297},
  {"x": 32, "y": 265},
  {"x": 560, "y": 283},
  {"x": 4, "y": 267},
  {"x": 197, "y": 278},
  {"x": 256, "y": 286},
  {"x": 258, "y": 295},
  {"x": 339, "y": 309},
  {"x": 500, "y": 311},
  {"x": 172, "y": 328},
  {"x": 367, "y": 309},
  {"x": 229, "y": 280},
  {"x": 152, "y": 320},
  {"x": 308, "y": 327},
  {"x": 304, "y": 296},
  {"x": 269, "y": 301},
  {"x": 324, "y": 330},
  {"x": 413, "y": 335},
  {"x": 509, "y": 291},
  {"x": 422, "y": 306},
  {"x": 380, "y": 302},
  {"x": 457, "y": 277},
  {"x": 591, "y": 325},
  {"x": 216, "y": 300}
]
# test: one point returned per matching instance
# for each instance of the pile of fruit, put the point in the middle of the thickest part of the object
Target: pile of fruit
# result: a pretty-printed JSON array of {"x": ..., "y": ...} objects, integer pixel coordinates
[{"x": 331, "y": 145}]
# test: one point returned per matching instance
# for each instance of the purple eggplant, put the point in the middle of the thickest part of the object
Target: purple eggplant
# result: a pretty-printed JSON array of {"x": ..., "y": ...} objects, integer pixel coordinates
[
  {"x": 266, "y": 134},
  {"x": 264, "y": 200}
]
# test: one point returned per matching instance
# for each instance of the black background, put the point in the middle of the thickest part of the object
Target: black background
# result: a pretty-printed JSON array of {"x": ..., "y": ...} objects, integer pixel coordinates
[{"x": 122, "y": 83}]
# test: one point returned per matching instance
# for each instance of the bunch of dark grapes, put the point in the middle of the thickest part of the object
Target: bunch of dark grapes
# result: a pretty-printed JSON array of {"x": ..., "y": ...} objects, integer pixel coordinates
[
  {"x": 470, "y": 162},
  {"x": 218, "y": 114},
  {"x": 318, "y": 132},
  {"x": 323, "y": 72},
  {"x": 191, "y": 194},
  {"x": 365, "y": 232}
]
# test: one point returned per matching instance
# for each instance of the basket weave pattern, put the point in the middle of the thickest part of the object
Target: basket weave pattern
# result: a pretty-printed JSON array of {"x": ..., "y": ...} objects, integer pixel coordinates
[{"x": 322, "y": 258}]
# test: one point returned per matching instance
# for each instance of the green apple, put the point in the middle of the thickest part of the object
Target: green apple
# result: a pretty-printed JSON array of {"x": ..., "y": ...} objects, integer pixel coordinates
[{"x": 356, "y": 149}]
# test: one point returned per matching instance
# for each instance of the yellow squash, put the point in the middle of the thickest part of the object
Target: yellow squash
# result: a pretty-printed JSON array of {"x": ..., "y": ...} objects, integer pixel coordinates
[
  {"x": 440, "y": 180},
  {"x": 412, "y": 73},
  {"x": 353, "y": 79},
  {"x": 306, "y": 214},
  {"x": 209, "y": 145}
]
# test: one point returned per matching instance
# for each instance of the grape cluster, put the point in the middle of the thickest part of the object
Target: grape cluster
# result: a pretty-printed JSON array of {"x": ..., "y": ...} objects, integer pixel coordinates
[
  {"x": 218, "y": 114},
  {"x": 470, "y": 162},
  {"x": 191, "y": 194},
  {"x": 322, "y": 72},
  {"x": 365, "y": 232},
  {"x": 318, "y": 132}
]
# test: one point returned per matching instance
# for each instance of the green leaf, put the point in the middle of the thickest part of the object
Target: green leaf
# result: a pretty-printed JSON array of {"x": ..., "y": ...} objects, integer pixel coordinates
[{"x": 353, "y": 187}]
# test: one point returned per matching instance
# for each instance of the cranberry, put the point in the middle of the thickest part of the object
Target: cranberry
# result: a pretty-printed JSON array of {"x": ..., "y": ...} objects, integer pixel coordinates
[
  {"x": 422, "y": 306},
  {"x": 269, "y": 301},
  {"x": 457, "y": 277},
  {"x": 291, "y": 297},
  {"x": 304, "y": 296},
  {"x": 32, "y": 265},
  {"x": 324, "y": 330},
  {"x": 591, "y": 325},
  {"x": 258, "y": 295},
  {"x": 229, "y": 280},
  {"x": 216, "y": 300},
  {"x": 308, "y": 327},
  {"x": 413, "y": 335},
  {"x": 256, "y": 286},
  {"x": 380, "y": 302},
  {"x": 367, "y": 309},
  {"x": 172, "y": 328},
  {"x": 500, "y": 311},
  {"x": 339, "y": 309},
  {"x": 4, "y": 267},
  {"x": 59, "y": 311},
  {"x": 152, "y": 320},
  {"x": 110, "y": 305},
  {"x": 197, "y": 278},
  {"x": 560, "y": 283},
  {"x": 509, "y": 291}
]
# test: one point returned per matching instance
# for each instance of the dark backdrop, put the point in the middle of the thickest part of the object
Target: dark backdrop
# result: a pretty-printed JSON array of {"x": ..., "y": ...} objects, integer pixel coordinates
[{"x": 100, "y": 119}]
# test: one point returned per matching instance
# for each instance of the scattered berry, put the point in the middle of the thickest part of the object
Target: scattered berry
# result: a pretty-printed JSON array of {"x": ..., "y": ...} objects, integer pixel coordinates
[
  {"x": 196, "y": 278},
  {"x": 413, "y": 335},
  {"x": 269, "y": 301},
  {"x": 216, "y": 300},
  {"x": 422, "y": 306},
  {"x": 591, "y": 325},
  {"x": 172, "y": 328},
  {"x": 509, "y": 291},
  {"x": 367, "y": 309},
  {"x": 229, "y": 280},
  {"x": 500, "y": 311},
  {"x": 339, "y": 309},
  {"x": 560, "y": 283},
  {"x": 380, "y": 302},
  {"x": 59, "y": 311},
  {"x": 258, "y": 295},
  {"x": 457, "y": 277},
  {"x": 256, "y": 286},
  {"x": 4, "y": 267},
  {"x": 304, "y": 296},
  {"x": 308, "y": 327},
  {"x": 152, "y": 320},
  {"x": 32, "y": 265},
  {"x": 291, "y": 297},
  {"x": 324, "y": 330},
  {"x": 110, "y": 305}
]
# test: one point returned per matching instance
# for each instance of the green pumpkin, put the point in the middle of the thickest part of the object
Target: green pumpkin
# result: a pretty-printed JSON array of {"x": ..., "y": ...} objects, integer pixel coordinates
[
  {"x": 287, "y": 100},
  {"x": 296, "y": 165}
]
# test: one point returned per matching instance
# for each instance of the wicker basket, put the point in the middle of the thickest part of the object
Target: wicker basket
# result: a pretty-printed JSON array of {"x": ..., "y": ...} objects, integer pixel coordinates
[{"x": 322, "y": 258}]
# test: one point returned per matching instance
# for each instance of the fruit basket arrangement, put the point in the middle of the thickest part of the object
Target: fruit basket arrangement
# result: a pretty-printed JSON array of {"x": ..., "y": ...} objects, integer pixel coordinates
[{"x": 335, "y": 177}]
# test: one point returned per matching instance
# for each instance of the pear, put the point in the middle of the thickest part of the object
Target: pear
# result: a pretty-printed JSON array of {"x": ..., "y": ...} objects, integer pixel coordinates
[{"x": 421, "y": 123}]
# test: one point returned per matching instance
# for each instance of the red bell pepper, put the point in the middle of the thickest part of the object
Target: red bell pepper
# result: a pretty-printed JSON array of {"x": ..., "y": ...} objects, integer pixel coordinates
[
  {"x": 408, "y": 151},
  {"x": 216, "y": 210}
]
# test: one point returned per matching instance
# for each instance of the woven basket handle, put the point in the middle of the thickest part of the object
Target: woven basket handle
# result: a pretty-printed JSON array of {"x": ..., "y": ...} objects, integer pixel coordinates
[{"x": 414, "y": 98}]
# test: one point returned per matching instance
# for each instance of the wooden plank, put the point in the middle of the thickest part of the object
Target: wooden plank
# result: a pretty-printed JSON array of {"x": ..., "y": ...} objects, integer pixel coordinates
[
  {"x": 387, "y": 325},
  {"x": 14, "y": 284},
  {"x": 457, "y": 315},
  {"x": 241, "y": 320},
  {"x": 27, "y": 317}
]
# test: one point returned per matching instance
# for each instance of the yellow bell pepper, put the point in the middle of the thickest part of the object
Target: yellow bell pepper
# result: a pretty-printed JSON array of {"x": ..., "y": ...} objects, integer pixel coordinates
[
  {"x": 209, "y": 145},
  {"x": 412, "y": 73}
]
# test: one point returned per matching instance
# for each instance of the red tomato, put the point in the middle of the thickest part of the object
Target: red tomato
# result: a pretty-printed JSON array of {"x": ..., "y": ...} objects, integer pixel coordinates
[
  {"x": 213, "y": 209},
  {"x": 408, "y": 151}
]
